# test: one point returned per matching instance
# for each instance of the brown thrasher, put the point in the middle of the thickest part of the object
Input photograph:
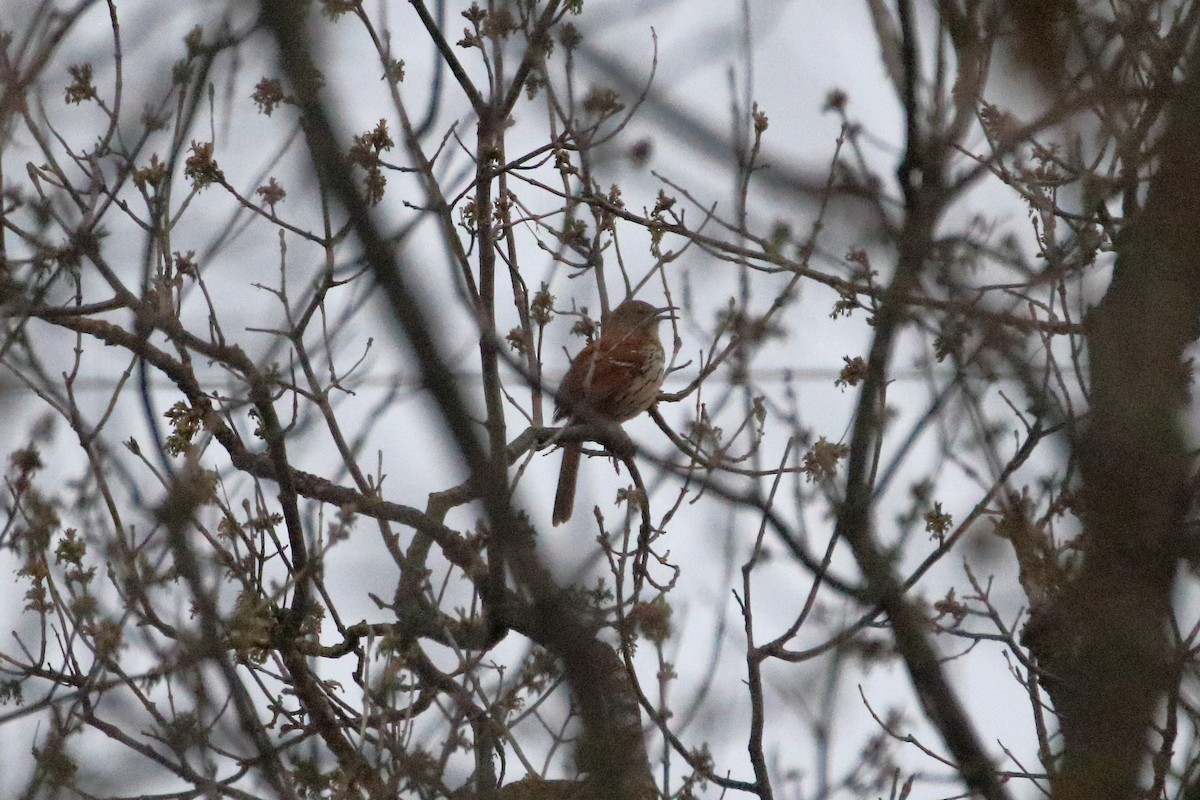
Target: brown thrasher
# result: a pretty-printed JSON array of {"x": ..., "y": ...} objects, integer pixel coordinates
[{"x": 613, "y": 379}]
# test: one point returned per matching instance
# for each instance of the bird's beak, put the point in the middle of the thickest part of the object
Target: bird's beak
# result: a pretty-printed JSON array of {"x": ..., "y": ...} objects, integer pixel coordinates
[{"x": 666, "y": 312}]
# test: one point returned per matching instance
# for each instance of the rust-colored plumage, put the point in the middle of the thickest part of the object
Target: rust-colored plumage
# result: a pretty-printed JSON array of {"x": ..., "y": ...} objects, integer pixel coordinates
[{"x": 613, "y": 379}]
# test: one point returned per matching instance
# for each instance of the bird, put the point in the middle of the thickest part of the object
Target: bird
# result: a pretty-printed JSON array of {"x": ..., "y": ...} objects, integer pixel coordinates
[{"x": 612, "y": 379}]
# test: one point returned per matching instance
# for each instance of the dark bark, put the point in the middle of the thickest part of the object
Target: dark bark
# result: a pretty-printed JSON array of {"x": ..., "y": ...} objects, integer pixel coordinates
[{"x": 1102, "y": 644}]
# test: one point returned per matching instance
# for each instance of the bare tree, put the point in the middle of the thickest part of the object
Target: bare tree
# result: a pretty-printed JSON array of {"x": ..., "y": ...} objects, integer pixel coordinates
[{"x": 285, "y": 296}]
